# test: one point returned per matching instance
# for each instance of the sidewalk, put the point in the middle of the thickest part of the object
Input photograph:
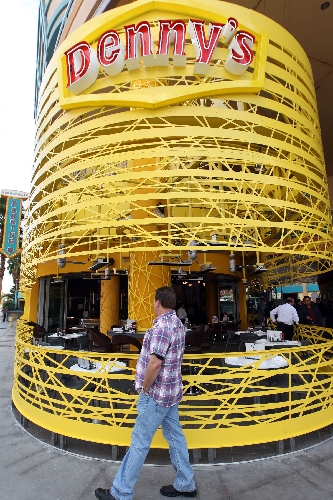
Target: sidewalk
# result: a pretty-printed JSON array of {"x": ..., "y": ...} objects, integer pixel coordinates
[{"x": 31, "y": 470}]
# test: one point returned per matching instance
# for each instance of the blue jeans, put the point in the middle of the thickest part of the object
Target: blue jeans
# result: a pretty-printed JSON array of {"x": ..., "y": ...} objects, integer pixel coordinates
[{"x": 150, "y": 416}]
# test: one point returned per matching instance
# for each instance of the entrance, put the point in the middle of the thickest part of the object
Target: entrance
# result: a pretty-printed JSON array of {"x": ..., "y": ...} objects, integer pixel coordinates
[{"x": 64, "y": 301}]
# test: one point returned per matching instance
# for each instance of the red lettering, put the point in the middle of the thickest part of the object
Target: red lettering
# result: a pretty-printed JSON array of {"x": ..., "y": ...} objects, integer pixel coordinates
[
  {"x": 240, "y": 53},
  {"x": 110, "y": 53},
  {"x": 78, "y": 60},
  {"x": 82, "y": 67},
  {"x": 171, "y": 32},
  {"x": 136, "y": 34},
  {"x": 229, "y": 29},
  {"x": 203, "y": 49}
]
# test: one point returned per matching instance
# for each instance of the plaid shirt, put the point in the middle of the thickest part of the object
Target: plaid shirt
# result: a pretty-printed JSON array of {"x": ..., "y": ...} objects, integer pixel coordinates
[{"x": 166, "y": 339}]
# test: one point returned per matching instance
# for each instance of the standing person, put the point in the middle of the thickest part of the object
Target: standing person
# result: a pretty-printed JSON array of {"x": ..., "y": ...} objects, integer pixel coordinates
[
  {"x": 181, "y": 313},
  {"x": 286, "y": 316},
  {"x": 329, "y": 314},
  {"x": 159, "y": 382},
  {"x": 309, "y": 313},
  {"x": 262, "y": 311},
  {"x": 322, "y": 308}
]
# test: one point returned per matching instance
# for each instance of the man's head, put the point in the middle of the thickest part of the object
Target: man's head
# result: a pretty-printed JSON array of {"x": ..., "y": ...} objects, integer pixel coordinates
[
  {"x": 165, "y": 299},
  {"x": 318, "y": 300},
  {"x": 290, "y": 301},
  {"x": 307, "y": 300}
]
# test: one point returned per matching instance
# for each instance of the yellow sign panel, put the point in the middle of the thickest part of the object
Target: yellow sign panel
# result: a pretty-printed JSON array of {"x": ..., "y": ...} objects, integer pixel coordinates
[{"x": 215, "y": 52}]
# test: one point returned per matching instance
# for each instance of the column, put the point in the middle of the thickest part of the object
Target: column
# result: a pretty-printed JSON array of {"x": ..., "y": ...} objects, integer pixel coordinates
[
  {"x": 211, "y": 300},
  {"x": 109, "y": 303},
  {"x": 142, "y": 283}
]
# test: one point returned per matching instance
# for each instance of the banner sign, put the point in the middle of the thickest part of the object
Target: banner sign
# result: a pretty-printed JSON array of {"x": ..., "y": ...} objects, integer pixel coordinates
[
  {"x": 11, "y": 234},
  {"x": 14, "y": 194}
]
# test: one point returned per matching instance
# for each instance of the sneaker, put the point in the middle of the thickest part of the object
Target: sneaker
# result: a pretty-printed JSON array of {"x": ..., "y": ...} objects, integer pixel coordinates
[
  {"x": 170, "y": 491},
  {"x": 103, "y": 494}
]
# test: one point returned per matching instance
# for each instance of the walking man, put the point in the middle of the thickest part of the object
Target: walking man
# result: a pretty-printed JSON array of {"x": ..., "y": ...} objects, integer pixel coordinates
[
  {"x": 159, "y": 382},
  {"x": 286, "y": 316}
]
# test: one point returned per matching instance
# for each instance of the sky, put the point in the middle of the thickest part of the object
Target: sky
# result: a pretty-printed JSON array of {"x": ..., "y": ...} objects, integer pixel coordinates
[{"x": 18, "y": 25}]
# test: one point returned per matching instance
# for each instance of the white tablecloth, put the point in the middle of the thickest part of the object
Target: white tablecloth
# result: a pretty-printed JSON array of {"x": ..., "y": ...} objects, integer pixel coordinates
[
  {"x": 57, "y": 347},
  {"x": 285, "y": 343},
  {"x": 258, "y": 332},
  {"x": 115, "y": 368},
  {"x": 68, "y": 336},
  {"x": 273, "y": 363}
]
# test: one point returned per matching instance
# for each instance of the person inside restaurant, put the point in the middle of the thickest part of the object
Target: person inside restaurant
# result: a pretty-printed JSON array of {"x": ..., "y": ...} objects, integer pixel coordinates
[
  {"x": 285, "y": 316},
  {"x": 309, "y": 313}
]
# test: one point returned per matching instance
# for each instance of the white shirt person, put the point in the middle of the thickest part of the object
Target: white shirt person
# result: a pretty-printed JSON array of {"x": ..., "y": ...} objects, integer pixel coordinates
[{"x": 286, "y": 314}]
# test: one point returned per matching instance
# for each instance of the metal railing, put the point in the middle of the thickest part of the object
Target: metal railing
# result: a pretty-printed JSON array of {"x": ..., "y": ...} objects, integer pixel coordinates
[{"x": 222, "y": 405}]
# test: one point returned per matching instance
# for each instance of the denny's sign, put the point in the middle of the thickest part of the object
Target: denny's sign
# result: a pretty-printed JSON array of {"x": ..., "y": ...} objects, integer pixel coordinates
[{"x": 182, "y": 48}]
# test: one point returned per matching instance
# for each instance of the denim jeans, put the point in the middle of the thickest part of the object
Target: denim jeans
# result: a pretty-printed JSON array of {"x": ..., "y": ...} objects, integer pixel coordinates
[{"x": 150, "y": 416}]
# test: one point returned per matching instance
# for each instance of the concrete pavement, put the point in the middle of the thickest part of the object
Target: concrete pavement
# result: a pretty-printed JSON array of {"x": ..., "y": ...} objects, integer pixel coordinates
[{"x": 32, "y": 470}]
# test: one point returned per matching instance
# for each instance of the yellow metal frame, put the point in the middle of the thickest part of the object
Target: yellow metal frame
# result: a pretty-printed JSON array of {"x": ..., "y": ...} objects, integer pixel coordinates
[
  {"x": 246, "y": 167},
  {"x": 235, "y": 406}
]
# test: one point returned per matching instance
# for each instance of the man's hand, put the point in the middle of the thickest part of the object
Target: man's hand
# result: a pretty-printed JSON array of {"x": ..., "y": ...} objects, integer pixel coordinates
[{"x": 152, "y": 371}]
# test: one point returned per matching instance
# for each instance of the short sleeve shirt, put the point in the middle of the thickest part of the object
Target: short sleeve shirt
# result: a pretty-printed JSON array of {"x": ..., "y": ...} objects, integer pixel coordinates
[{"x": 166, "y": 339}]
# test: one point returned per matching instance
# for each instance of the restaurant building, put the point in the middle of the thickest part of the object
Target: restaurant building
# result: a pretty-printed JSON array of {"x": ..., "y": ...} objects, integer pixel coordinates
[
  {"x": 153, "y": 159},
  {"x": 176, "y": 143}
]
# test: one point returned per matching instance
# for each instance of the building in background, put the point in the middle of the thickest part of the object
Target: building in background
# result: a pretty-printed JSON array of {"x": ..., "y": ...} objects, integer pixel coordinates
[{"x": 204, "y": 159}]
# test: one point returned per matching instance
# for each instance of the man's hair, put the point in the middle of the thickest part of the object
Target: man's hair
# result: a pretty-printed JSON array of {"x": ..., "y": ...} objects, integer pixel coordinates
[
  {"x": 306, "y": 297},
  {"x": 167, "y": 297},
  {"x": 289, "y": 300}
]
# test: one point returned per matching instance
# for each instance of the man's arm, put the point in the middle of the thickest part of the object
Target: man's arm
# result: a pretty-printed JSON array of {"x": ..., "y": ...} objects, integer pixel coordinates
[
  {"x": 152, "y": 371},
  {"x": 295, "y": 315},
  {"x": 273, "y": 313}
]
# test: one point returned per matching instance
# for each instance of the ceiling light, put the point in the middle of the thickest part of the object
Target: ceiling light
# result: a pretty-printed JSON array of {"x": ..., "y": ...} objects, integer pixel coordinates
[
  {"x": 181, "y": 271},
  {"x": 232, "y": 263},
  {"x": 325, "y": 5},
  {"x": 159, "y": 210},
  {"x": 259, "y": 169}
]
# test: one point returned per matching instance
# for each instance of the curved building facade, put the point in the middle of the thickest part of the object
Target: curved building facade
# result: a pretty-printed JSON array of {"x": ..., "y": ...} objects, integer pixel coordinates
[
  {"x": 171, "y": 138},
  {"x": 146, "y": 164}
]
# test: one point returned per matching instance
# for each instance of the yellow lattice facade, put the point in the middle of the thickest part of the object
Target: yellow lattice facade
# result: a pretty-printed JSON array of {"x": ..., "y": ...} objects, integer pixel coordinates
[
  {"x": 235, "y": 407},
  {"x": 244, "y": 165},
  {"x": 144, "y": 165}
]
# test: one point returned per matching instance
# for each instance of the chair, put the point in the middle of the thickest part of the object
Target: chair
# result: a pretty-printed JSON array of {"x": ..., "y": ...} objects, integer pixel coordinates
[
  {"x": 205, "y": 345},
  {"x": 245, "y": 338},
  {"x": 56, "y": 341},
  {"x": 97, "y": 338},
  {"x": 237, "y": 325},
  {"x": 122, "y": 385},
  {"x": 38, "y": 330},
  {"x": 82, "y": 343},
  {"x": 120, "y": 340},
  {"x": 231, "y": 337},
  {"x": 195, "y": 338}
]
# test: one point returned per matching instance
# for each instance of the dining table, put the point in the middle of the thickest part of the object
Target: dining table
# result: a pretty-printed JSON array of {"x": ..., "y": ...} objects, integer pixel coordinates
[
  {"x": 131, "y": 333},
  {"x": 284, "y": 344},
  {"x": 275, "y": 363},
  {"x": 260, "y": 333},
  {"x": 97, "y": 367},
  {"x": 67, "y": 336}
]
